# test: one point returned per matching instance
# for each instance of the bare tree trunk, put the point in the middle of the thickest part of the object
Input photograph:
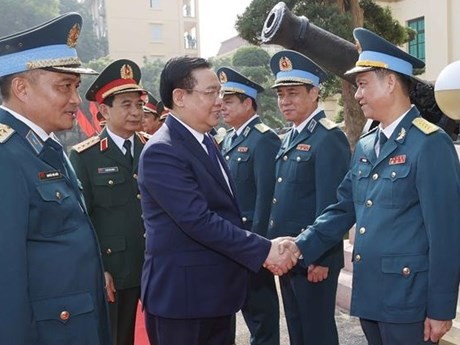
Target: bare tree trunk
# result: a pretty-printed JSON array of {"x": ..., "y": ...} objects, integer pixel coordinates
[{"x": 352, "y": 114}]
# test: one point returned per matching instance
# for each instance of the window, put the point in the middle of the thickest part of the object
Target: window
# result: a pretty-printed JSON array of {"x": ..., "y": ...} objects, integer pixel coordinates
[
  {"x": 156, "y": 33},
  {"x": 417, "y": 45},
  {"x": 155, "y": 4}
]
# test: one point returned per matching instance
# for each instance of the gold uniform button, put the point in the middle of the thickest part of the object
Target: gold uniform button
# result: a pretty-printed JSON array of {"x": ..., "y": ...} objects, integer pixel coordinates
[
  {"x": 239, "y": 159},
  {"x": 357, "y": 257},
  {"x": 135, "y": 176},
  {"x": 138, "y": 196},
  {"x": 406, "y": 271},
  {"x": 244, "y": 219},
  {"x": 298, "y": 159},
  {"x": 369, "y": 203},
  {"x": 375, "y": 176},
  {"x": 280, "y": 179},
  {"x": 108, "y": 251},
  {"x": 110, "y": 182},
  {"x": 58, "y": 195},
  {"x": 362, "y": 230},
  {"x": 285, "y": 158},
  {"x": 227, "y": 158},
  {"x": 393, "y": 174},
  {"x": 64, "y": 316}
]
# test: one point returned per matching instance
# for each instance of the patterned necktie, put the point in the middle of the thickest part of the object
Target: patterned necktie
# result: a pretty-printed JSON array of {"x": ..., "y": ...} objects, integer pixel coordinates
[
  {"x": 128, "y": 155},
  {"x": 212, "y": 151}
]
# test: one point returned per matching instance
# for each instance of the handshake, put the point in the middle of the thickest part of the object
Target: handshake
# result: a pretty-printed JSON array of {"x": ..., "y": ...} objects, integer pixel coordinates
[{"x": 283, "y": 255}]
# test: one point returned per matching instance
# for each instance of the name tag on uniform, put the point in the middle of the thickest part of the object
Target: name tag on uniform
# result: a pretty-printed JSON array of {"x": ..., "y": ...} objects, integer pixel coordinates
[
  {"x": 107, "y": 170},
  {"x": 401, "y": 159},
  {"x": 49, "y": 175},
  {"x": 243, "y": 149},
  {"x": 303, "y": 147}
]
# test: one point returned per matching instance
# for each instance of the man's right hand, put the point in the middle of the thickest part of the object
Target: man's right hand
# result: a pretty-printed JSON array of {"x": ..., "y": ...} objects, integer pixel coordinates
[
  {"x": 109, "y": 287},
  {"x": 282, "y": 256}
]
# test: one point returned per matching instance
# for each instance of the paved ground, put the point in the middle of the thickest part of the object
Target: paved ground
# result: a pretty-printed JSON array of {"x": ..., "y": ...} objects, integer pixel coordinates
[{"x": 350, "y": 332}]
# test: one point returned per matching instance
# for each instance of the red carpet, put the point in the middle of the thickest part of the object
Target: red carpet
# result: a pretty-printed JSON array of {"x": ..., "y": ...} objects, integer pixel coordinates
[{"x": 141, "y": 334}]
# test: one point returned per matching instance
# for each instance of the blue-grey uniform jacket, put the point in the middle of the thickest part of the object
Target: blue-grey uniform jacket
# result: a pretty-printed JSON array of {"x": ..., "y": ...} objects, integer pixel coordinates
[
  {"x": 309, "y": 170},
  {"x": 51, "y": 281},
  {"x": 406, "y": 204}
]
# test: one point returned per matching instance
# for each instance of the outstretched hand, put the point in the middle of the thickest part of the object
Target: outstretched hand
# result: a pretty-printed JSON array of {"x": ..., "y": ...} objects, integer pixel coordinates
[{"x": 283, "y": 255}]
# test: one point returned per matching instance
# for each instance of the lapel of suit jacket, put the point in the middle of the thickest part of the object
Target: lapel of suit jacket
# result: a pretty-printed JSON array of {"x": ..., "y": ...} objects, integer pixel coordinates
[
  {"x": 192, "y": 145},
  {"x": 111, "y": 150}
]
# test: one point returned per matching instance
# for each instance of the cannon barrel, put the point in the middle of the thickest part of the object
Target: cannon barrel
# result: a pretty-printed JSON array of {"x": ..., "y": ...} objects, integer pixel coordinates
[
  {"x": 337, "y": 56},
  {"x": 329, "y": 51}
]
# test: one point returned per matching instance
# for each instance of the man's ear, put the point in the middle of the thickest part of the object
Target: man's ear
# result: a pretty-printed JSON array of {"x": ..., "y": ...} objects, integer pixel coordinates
[
  {"x": 104, "y": 110},
  {"x": 178, "y": 97}
]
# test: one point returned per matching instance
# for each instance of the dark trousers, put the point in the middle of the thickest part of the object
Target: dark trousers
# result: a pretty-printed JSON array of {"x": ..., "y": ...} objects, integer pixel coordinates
[
  {"x": 123, "y": 316},
  {"x": 209, "y": 331},
  {"x": 384, "y": 333},
  {"x": 261, "y": 309},
  {"x": 310, "y": 307}
]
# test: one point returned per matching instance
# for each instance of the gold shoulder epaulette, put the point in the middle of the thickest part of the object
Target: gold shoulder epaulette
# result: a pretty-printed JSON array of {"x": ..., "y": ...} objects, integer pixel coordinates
[
  {"x": 328, "y": 124},
  {"x": 80, "y": 147},
  {"x": 424, "y": 125},
  {"x": 5, "y": 133},
  {"x": 262, "y": 127},
  {"x": 143, "y": 136}
]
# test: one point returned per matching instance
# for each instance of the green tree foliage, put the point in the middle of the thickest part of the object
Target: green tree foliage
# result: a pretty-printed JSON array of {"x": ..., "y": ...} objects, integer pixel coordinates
[
  {"x": 151, "y": 71},
  {"x": 20, "y": 15}
]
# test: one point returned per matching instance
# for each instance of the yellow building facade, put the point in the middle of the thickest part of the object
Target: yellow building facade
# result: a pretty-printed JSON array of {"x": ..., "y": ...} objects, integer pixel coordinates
[{"x": 152, "y": 29}]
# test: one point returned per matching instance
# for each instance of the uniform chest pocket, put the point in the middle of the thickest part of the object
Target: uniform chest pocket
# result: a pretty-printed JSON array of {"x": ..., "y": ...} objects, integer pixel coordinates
[
  {"x": 360, "y": 174},
  {"x": 57, "y": 210},
  {"x": 397, "y": 189},
  {"x": 240, "y": 166},
  {"x": 301, "y": 166},
  {"x": 110, "y": 190}
]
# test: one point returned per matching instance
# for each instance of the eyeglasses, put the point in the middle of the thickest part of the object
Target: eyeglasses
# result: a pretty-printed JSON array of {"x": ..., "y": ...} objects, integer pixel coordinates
[{"x": 209, "y": 93}]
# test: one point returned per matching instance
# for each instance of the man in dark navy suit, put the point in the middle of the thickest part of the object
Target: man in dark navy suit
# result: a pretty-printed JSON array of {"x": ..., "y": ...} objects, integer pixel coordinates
[
  {"x": 406, "y": 262},
  {"x": 51, "y": 277},
  {"x": 198, "y": 256},
  {"x": 310, "y": 164},
  {"x": 250, "y": 148}
]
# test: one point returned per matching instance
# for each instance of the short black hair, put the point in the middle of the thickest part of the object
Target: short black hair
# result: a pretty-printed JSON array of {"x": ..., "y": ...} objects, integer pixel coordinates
[
  {"x": 242, "y": 97},
  {"x": 177, "y": 74}
]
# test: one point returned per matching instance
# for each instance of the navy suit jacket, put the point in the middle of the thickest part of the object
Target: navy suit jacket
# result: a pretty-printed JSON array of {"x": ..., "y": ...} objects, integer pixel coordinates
[
  {"x": 197, "y": 254},
  {"x": 51, "y": 280}
]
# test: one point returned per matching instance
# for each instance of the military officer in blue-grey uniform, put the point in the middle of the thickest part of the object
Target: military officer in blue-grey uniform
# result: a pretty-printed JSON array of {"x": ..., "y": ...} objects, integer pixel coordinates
[
  {"x": 106, "y": 165},
  {"x": 250, "y": 148},
  {"x": 310, "y": 164},
  {"x": 402, "y": 190},
  {"x": 51, "y": 276}
]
